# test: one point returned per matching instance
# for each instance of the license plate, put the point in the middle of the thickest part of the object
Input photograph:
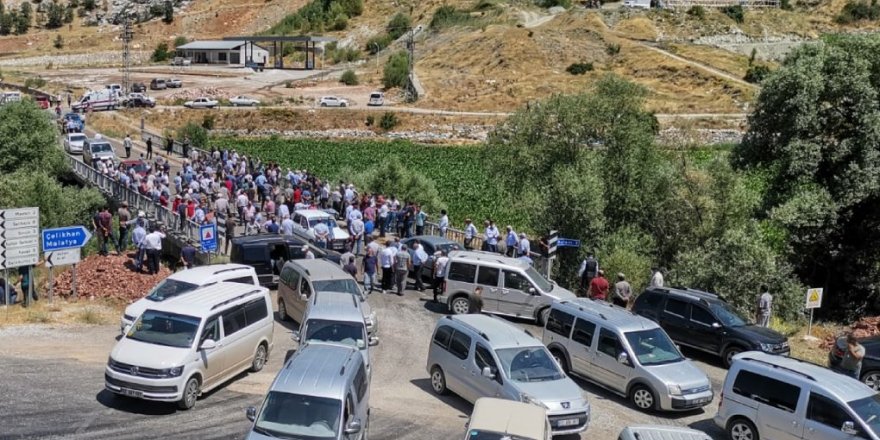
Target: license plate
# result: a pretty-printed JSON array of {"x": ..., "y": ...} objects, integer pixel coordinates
[
  {"x": 567, "y": 422},
  {"x": 132, "y": 393}
]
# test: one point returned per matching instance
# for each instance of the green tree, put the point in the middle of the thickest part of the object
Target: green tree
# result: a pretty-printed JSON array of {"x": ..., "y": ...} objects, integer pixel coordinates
[
  {"x": 59, "y": 205},
  {"x": 196, "y": 133},
  {"x": 54, "y": 16},
  {"x": 168, "y": 15},
  {"x": 7, "y": 23},
  {"x": 27, "y": 139},
  {"x": 180, "y": 40},
  {"x": 160, "y": 53},
  {"x": 394, "y": 178},
  {"x": 398, "y": 25},
  {"x": 23, "y": 18},
  {"x": 89, "y": 5},
  {"x": 59, "y": 42},
  {"x": 815, "y": 132},
  {"x": 68, "y": 14},
  {"x": 396, "y": 72},
  {"x": 349, "y": 78}
]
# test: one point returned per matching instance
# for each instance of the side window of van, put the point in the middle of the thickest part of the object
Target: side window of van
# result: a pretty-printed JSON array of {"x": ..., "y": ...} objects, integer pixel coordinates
[
  {"x": 676, "y": 307},
  {"x": 305, "y": 289},
  {"x": 516, "y": 281},
  {"x": 441, "y": 337},
  {"x": 256, "y": 311},
  {"x": 701, "y": 316},
  {"x": 766, "y": 390},
  {"x": 233, "y": 320},
  {"x": 286, "y": 274},
  {"x": 487, "y": 276},
  {"x": 609, "y": 343},
  {"x": 212, "y": 330},
  {"x": 462, "y": 272},
  {"x": 360, "y": 383},
  {"x": 583, "y": 332},
  {"x": 560, "y": 322},
  {"x": 827, "y": 412},
  {"x": 460, "y": 345},
  {"x": 483, "y": 358}
]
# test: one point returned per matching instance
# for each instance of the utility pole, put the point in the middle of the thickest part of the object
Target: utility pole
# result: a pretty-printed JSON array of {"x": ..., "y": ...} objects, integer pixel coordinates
[
  {"x": 411, "y": 45},
  {"x": 127, "y": 36}
]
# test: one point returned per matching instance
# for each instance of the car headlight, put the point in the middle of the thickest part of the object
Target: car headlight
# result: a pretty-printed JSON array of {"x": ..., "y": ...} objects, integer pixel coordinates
[
  {"x": 675, "y": 390},
  {"x": 766, "y": 347},
  {"x": 174, "y": 371}
]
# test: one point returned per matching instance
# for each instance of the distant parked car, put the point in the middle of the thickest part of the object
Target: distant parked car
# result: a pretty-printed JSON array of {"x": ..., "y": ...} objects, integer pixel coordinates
[
  {"x": 158, "y": 84},
  {"x": 376, "y": 99},
  {"x": 138, "y": 88},
  {"x": 174, "y": 83},
  {"x": 870, "y": 373},
  {"x": 78, "y": 125},
  {"x": 140, "y": 167},
  {"x": 43, "y": 101},
  {"x": 139, "y": 100},
  {"x": 180, "y": 61},
  {"x": 201, "y": 103},
  {"x": 244, "y": 101},
  {"x": 431, "y": 244},
  {"x": 73, "y": 143},
  {"x": 333, "y": 101},
  {"x": 116, "y": 88}
]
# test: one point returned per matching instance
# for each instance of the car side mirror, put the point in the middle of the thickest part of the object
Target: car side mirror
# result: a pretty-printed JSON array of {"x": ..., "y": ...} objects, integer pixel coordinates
[
  {"x": 623, "y": 358},
  {"x": 251, "y": 413},
  {"x": 353, "y": 427},
  {"x": 487, "y": 373},
  {"x": 374, "y": 341},
  {"x": 849, "y": 428},
  {"x": 295, "y": 335},
  {"x": 303, "y": 297},
  {"x": 533, "y": 291},
  {"x": 716, "y": 325},
  {"x": 208, "y": 344},
  {"x": 126, "y": 329}
]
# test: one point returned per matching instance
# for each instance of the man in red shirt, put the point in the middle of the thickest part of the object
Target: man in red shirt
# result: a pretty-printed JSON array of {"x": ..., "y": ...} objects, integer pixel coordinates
[{"x": 599, "y": 287}]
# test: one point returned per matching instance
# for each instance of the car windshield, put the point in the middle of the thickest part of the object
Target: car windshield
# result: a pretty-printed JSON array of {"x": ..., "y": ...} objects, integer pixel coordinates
[
  {"x": 727, "y": 316},
  {"x": 449, "y": 247},
  {"x": 170, "y": 288},
  {"x": 476, "y": 434},
  {"x": 331, "y": 223},
  {"x": 349, "y": 333},
  {"x": 528, "y": 364},
  {"x": 294, "y": 416},
  {"x": 868, "y": 409},
  {"x": 343, "y": 285},
  {"x": 77, "y": 138},
  {"x": 165, "y": 328},
  {"x": 544, "y": 285},
  {"x": 653, "y": 347},
  {"x": 101, "y": 147}
]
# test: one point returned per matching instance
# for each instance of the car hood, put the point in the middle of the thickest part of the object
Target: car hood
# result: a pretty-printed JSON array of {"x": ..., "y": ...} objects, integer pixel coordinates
[
  {"x": 138, "y": 307},
  {"x": 147, "y": 355},
  {"x": 759, "y": 334},
  {"x": 340, "y": 234},
  {"x": 75, "y": 143},
  {"x": 684, "y": 374},
  {"x": 560, "y": 293},
  {"x": 555, "y": 393}
]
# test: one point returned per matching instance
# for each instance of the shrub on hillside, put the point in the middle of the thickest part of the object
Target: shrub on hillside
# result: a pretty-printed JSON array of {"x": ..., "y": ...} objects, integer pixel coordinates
[
  {"x": 180, "y": 41},
  {"x": 551, "y": 3},
  {"x": 376, "y": 44},
  {"x": 160, "y": 53},
  {"x": 396, "y": 70},
  {"x": 612, "y": 49},
  {"x": 735, "y": 12},
  {"x": 697, "y": 11},
  {"x": 448, "y": 16},
  {"x": 349, "y": 78},
  {"x": 398, "y": 25},
  {"x": 579, "y": 68},
  {"x": 854, "y": 11},
  {"x": 388, "y": 121},
  {"x": 756, "y": 73}
]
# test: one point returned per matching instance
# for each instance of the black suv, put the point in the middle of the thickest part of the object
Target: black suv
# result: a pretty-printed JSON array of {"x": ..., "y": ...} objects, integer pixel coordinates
[
  {"x": 704, "y": 321},
  {"x": 266, "y": 253}
]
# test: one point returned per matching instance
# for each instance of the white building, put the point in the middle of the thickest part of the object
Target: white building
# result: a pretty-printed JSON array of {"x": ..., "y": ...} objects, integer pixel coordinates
[{"x": 235, "y": 53}]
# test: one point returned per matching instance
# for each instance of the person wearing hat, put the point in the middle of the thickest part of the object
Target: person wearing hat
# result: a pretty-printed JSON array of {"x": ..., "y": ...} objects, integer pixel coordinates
[
  {"x": 599, "y": 287},
  {"x": 124, "y": 218},
  {"x": 622, "y": 291}
]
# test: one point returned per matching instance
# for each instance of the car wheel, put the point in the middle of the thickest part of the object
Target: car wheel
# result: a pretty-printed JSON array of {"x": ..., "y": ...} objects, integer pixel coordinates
[
  {"x": 872, "y": 379},
  {"x": 260, "y": 358},
  {"x": 190, "y": 394},
  {"x": 323, "y": 104},
  {"x": 461, "y": 305},
  {"x": 438, "y": 381},
  {"x": 729, "y": 353},
  {"x": 282, "y": 311},
  {"x": 742, "y": 429},
  {"x": 560, "y": 359},
  {"x": 643, "y": 398},
  {"x": 543, "y": 315},
  {"x": 343, "y": 105}
]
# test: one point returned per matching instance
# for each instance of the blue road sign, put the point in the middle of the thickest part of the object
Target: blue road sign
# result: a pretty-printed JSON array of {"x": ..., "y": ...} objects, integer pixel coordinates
[
  {"x": 568, "y": 242},
  {"x": 208, "y": 237},
  {"x": 65, "y": 238}
]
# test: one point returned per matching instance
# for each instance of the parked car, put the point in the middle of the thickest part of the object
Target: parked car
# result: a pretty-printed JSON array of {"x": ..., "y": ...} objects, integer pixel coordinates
[
  {"x": 431, "y": 244},
  {"x": 627, "y": 354},
  {"x": 116, "y": 88},
  {"x": 510, "y": 287},
  {"x": 506, "y": 419},
  {"x": 301, "y": 278},
  {"x": 704, "y": 321},
  {"x": 139, "y": 166},
  {"x": 174, "y": 83},
  {"x": 72, "y": 123},
  {"x": 766, "y": 396},
  {"x": 267, "y": 253},
  {"x": 43, "y": 101},
  {"x": 186, "y": 346},
  {"x": 138, "y": 88},
  {"x": 322, "y": 392},
  {"x": 333, "y": 101},
  {"x": 158, "y": 84},
  {"x": 243, "y": 101},
  {"x": 483, "y": 356},
  {"x": 661, "y": 432},
  {"x": 181, "y": 61},
  {"x": 201, "y": 103},
  {"x": 305, "y": 220},
  {"x": 73, "y": 143},
  {"x": 188, "y": 281},
  {"x": 376, "y": 99},
  {"x": 870, "y": 373},
  {"x": 96, "y": 149},
  {"x": 138, "y": 100}
]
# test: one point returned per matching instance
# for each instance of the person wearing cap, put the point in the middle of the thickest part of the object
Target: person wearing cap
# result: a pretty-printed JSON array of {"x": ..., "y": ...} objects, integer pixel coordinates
[
  {"x": 622, "y": 291},
  {"x": 599, "y": 287},
  {"x": 124, "y": 219},
  {"x": 470, "y": 231}
]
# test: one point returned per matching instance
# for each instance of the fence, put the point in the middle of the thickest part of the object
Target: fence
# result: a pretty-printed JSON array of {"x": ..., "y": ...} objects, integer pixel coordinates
[{"x": 683, "y": 4}]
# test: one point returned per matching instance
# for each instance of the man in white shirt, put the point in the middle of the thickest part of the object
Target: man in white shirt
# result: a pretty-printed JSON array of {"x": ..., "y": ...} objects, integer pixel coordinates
[
  {"x": 440, "y": 263},
  {"x": 386, "y": 259},
  {"x": 287, "y": 225},
  {"x": 153, "y": 245},
  {"x": 357, "y": 234},
  {"x": 525, "y": 247},
  {"x": 322, "y": 235},
  {"x": 444, "y": 222},
  {"x": 491, "y": 236},
  {"x": 309, "y": 254}
]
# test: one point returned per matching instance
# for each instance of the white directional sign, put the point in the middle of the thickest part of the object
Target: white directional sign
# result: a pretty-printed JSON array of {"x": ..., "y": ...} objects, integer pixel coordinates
[
  {"x": 19, "y": 237},
  {"x": 62, "y": 257}
]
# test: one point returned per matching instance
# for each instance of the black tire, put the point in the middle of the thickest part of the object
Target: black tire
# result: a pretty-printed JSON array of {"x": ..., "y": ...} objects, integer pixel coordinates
[
  {"x": 190, "y": 394},
  {"x": 260, "y": 358},
  {"x": 343, "y": 105},
  {"x": 560, "y": 359},
  {"x": 282, "y": 311},
  {"x": 872, "y": 379},
  {"x": 729, "y": 353},
  {"x": 323, "y": 104},
  {"x": 460, "y": 305},
  {"x": 543, "y": 315},
  {"x": 643, "y": 398},
  {"x": 438, "y": 381},
  {"x": 742, "y": 429}
]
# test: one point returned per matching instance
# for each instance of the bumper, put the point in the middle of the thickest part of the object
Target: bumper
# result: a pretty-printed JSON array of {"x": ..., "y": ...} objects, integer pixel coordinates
[
  {"x": 161, "y": 390},
  {"x": 689, "y": 402},
  {"x": 570, "y": 422}
]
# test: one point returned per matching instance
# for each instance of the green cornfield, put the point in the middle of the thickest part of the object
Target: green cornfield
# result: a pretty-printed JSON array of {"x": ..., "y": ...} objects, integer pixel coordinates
[{"x": 464, "y": 181}]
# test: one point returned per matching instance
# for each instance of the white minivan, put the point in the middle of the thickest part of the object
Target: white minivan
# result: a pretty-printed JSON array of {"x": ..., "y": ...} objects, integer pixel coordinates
[{"x": 191, "y": 344}]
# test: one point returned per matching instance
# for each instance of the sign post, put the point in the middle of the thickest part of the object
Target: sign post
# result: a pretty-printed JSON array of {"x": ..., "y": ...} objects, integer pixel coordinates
[
  {"x": 62, "y": 246},
  {"x": 814, "y": 301},
  {"x": 552, "y": 246},
  {"x": 19, "y": 241}
]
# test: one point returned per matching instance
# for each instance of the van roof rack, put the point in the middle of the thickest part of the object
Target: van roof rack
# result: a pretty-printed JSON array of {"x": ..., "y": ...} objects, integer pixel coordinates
[
  {"x": 782, "y": 367},
  {"x": 231, "y": 300}
]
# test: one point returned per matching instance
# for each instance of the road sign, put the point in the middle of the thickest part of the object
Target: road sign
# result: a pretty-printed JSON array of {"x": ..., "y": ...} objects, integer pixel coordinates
[
  {"x": 62, "y": 257},
  {"x": 814, "y": 298},
  {"x": 552, "y": 243},
  {"x": 19, "y": 237},
  {"x": 569, "y": 242},
  {"x": 65, "y": 238},
  {"x": 208, "y": 237}
]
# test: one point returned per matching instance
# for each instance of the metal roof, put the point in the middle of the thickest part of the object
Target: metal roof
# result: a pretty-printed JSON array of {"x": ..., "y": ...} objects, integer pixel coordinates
[
  {"x": 283, "y": 38},
  {"x": 212, "y": 45}
]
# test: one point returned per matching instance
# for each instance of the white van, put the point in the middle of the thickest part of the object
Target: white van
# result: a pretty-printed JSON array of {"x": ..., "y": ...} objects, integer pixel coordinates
[
  {"x": 187, "y": 281},
  {"x": 507, "y": 419},
  {"x": 106, "y": 99},
  {"x": 191, "y": 344}
]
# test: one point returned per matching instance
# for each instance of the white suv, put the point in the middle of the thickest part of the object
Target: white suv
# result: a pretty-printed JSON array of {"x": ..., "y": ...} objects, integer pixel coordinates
[
  {"x": 305, "y": 220},
  {"x": 332, "y": 101},
  {"x": 186, "y": 281}
]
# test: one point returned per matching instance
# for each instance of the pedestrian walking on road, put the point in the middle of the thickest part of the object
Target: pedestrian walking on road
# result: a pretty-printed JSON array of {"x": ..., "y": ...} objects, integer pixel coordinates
[
  {"x": 137, "y": 238},
  {"x": 492, "y": 235},
  {"x": 444, "y": 223},
  {"x": 169, "y": 145},
  {"x": 765, "y": 305},
  {"x": 149, "y": 148},
  {"x": 622, "y": 291},
  {"x": 386, "y": 260},
  {"x": 104, "y": 228},
  {"x": 126, "y": 143},
  {"x": 511, "y": 242},
  {"x": 185, "y": 147},
  {"x": 350, "y": 268},
  {"x": 402, "y": 265},
  {"x": 230, "y": 231},
  {"x": 419, "y": 258},
  {"x": 588, "y": 270},
  {"x": 476, "y": 305}
]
